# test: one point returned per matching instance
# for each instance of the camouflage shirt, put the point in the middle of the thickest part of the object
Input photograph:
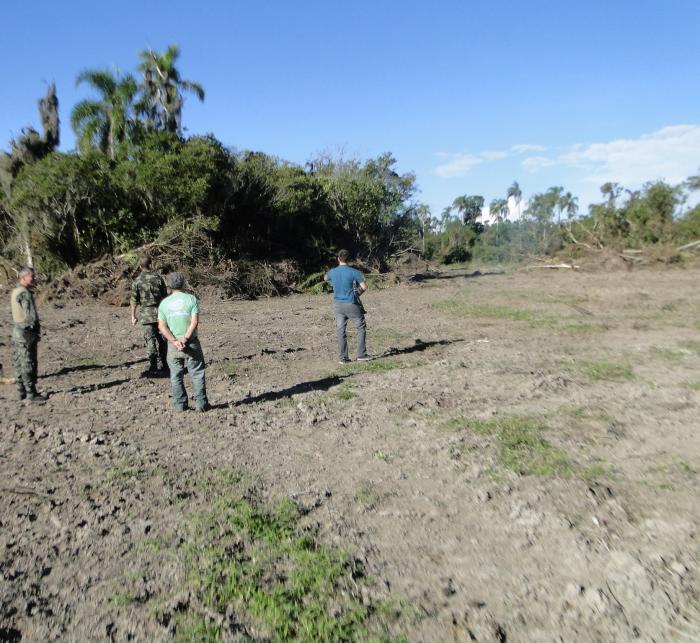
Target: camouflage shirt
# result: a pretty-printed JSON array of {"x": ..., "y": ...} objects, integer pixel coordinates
[
  {"x": 148, "y": 291},
  {"x": 23, "y": 308}
]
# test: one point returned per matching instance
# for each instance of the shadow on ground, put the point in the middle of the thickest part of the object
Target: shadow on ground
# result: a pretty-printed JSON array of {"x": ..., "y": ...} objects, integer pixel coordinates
[
  {"x": 428, "y": 276},
  {"x": 92, "y": 367}
]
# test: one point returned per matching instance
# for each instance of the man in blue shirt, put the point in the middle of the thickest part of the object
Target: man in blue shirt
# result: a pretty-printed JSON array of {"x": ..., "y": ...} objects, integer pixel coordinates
[{"x": 348, "y": 284}]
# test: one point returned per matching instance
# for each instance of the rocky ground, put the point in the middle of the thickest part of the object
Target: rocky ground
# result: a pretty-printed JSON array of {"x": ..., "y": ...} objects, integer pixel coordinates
[{"x": 523, "y": 464}]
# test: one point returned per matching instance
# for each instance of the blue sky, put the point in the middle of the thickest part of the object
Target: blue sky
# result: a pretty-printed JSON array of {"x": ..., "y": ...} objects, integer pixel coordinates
[{"x": 469, "y": 96}]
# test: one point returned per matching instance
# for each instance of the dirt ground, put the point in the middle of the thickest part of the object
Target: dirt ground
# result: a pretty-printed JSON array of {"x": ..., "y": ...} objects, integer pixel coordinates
[{"x": 523, "y": 466}]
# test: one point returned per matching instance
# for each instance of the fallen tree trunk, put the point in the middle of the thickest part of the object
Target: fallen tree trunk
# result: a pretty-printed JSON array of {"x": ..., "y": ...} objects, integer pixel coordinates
[
  {"x": 555, "y": 266},
  {"x": 688, "y": 246}
]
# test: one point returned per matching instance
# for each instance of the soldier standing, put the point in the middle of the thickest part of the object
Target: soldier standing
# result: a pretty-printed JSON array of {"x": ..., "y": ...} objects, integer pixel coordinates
[
  {"x": 148, "y": 291},
  {"x": 25, "y": 335}
]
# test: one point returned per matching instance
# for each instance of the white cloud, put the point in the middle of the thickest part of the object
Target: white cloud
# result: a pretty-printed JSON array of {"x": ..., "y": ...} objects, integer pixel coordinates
[
  {"x": 524, "y": 149},
  {"x": 460, "y": 164},
  {"x": 671, "y": 153}
]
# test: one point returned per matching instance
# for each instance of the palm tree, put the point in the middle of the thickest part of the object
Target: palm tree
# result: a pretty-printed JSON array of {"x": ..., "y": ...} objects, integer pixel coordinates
[
  {"x": 162, "y": 100},
  {"x": 555, "y": 194},
  {"x": 104, "y": 123},
  {"x": 499, "y": 209},
  {"x": 469, "y": 207},
  {"x": 516, "y": 194}
]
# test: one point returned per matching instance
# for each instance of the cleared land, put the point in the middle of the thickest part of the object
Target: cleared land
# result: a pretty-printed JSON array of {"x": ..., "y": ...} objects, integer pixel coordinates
[{"x": 524, "y": 466}]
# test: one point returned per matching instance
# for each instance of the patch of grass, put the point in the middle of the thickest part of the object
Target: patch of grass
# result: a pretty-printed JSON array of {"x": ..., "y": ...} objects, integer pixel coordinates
[
  {"x": 490, "y": 311},
  {"x": 691, "y": 345},
  {"x": 583, "y": 328},
  {"x": 125, "y": 471},
  {"x": 375, "y": 366},
  {"x": 522, "y": 446},
  {"x": 345, "y": 393},
  {"x": 230, "y": 369},
  {"x": 595, "y": 471},
  {"x": 387, "y": 335},
  {"x": 279, "y": 580},
  {"x": 694, "y": 386},
  {"x": 666, "y": 354},
  {"x": 122, "y": 599},
  {"x": 93, "y": 362},
  {"x": 368, "y": 497},
  {"x": 606, "y": 371},
  {"x": 574, "y": 411},
  {"x": 381, "y": 365}
]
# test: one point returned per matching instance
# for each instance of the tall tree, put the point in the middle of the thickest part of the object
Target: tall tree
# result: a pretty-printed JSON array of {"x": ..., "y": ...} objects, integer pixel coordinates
[
  {"x": 469, "y": 207},
  {"x": 555, "y": 196},
  {"x": 514, "y": 192},
  {"x": 104, "y": 123},
  {"x": 499, "y": 209},
  {"x": 162, "y": 100},
  {"x": 423, "y": 214},
  {"x": 27, "y": 149},
  {"x": 569, "y": 203}
]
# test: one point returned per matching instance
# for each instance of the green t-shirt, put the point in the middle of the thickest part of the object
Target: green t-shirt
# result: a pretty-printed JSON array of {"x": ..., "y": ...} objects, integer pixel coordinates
[{"x": 176, "y": 311}]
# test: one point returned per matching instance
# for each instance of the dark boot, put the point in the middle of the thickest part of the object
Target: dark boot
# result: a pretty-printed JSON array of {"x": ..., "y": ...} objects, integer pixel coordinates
[
  {"x": 152, "y": 369},
  {"x": 34, "y": 396},
  {"x": 21, "y": 392}
]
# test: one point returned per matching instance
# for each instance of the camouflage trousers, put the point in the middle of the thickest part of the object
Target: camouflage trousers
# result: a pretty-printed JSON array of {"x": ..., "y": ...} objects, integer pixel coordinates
[
  {"x": 24, "y": 345},
  {"x": 156, "y": 346}
]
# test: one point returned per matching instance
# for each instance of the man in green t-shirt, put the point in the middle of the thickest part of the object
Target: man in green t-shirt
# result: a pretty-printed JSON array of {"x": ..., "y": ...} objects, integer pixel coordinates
[{"x": 178, "y": 318}]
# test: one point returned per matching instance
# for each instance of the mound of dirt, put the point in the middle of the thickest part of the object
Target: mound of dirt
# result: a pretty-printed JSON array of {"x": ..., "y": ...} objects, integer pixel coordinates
[{"x": 108, "y": 279}]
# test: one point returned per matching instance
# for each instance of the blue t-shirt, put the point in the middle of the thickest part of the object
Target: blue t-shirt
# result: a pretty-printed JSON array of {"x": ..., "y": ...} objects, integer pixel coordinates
[{"x": 342, "y": 279}]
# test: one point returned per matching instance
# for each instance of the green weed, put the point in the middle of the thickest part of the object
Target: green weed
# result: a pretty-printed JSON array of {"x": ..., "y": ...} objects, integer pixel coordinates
[
  {"x": 692, "y": 345},
  {"x": 345, "y": 393},
  {"x": 606, "y": 371},
  {"x": 522, "y": 447},
  {"x": 230, "y": 369},
  {"x": 667, "y": 354},
  {"x": 271, "y": 570},
  {"x": 595, "y": 471},
  {"x": 125, "y": 471},
  {"x": 121, "y": 599},
  {"x": 490, "y": 311},
  {"x": 694, "y": 386},
  {"x": 584, "y": 328},
  {"x": 368, "y": 497}
]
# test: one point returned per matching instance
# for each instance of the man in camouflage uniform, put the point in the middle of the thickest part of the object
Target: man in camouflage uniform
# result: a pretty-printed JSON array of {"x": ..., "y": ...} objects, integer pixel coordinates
[
  {"x": 148, "y": 291},
  {"x": 25, "y": 335}
]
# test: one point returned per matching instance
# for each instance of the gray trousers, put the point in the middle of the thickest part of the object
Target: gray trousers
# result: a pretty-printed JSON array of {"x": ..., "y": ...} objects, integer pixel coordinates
[
  {"x": 192, "y": 358},
  {"x": 343, "y": 312}
]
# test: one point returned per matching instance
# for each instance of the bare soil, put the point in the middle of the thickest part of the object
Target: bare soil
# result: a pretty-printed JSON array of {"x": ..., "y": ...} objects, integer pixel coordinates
[{"x": 402, "y": 462}]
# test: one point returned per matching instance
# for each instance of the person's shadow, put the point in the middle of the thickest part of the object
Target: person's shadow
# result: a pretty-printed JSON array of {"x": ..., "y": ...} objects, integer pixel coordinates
[{"x": 326, "y": 383}]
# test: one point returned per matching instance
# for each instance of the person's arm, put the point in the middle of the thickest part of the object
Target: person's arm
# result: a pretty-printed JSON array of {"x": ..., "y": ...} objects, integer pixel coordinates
[
  {"x": 362, "y": 286},
  {"x": 165, "y": 332},
  {"x": 30, "y": 319},
  {"x": 135, "y": 299},
  {"x": 194, "y": 322}
]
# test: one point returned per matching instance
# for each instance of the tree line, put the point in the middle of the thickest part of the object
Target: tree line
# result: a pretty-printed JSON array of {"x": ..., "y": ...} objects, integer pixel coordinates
[
  {"x": 550, "y": 222},
  {"x": 135, "y": 181}
]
